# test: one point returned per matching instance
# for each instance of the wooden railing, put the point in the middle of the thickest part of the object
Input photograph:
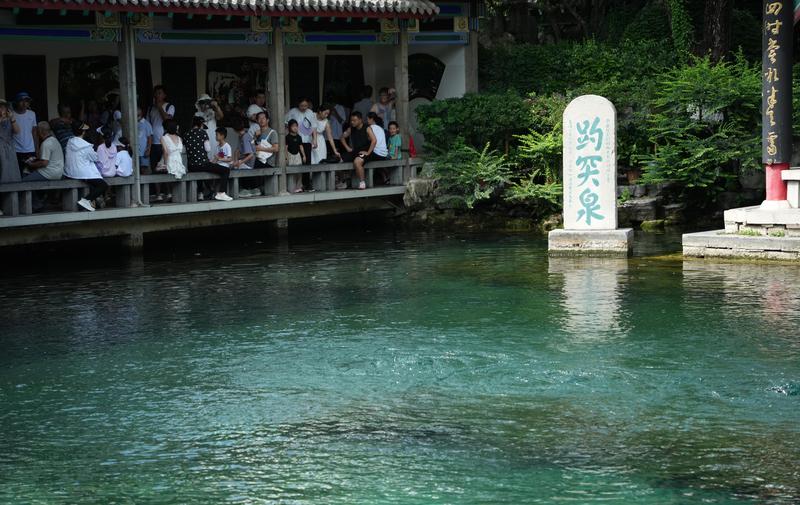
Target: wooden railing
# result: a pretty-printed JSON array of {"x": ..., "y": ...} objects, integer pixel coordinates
[{"x": 16, "y": 199}]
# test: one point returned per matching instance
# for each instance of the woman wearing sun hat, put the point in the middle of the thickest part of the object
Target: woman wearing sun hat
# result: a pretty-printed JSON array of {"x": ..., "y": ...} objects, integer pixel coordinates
[{"x": 209, "y": 110}]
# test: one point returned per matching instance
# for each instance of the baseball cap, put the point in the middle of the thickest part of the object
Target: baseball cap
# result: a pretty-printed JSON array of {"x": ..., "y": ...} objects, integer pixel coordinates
[{"x": 22, "y": 95}]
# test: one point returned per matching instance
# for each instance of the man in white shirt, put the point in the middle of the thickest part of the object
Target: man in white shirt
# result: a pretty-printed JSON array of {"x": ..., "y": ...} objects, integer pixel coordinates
[
  {"x": 26, "y": 142},
  {"x": 305, "y": 118}
]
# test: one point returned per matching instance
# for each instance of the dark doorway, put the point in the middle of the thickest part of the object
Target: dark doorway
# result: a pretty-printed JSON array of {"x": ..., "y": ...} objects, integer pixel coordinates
[
  {"x": 88, "y": 79},
  {"x": 29, "y": 74},
  {"x": 344, "y": 78},
  {"x": 303, "y": 79},
  {"x": 179, "y": 77}
]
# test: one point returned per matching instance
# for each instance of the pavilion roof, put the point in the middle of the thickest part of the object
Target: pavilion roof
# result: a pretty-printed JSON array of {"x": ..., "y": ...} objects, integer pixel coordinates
[{"x": 322, "y": 8}]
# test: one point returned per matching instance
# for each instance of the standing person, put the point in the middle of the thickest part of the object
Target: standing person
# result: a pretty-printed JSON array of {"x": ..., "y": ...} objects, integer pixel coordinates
[
  {"x": 173, "y": 148},
  {"x": 62, "y": 125},
  {"x": 304, "y": 117},
  {"x": 266, "y": 142},
  {"x": 210, "y": 111},
  {"x": 90, "y": 113},
  {"x": 9, "y": 166},
  {"x": 357, "y": 141},
  {"x": 395, "y": 142},
  {"x": 144, "y": 132},
  {"x": 258, "y": 103},
  {"x": 364, "y": 105},
  {"x": 26, "y": 140},
  {"x": 384, "y": 107},
  {"x": 81, "y": 163},
  {"x": 295, "y": 155},
  {"x": 339, "y": 115},
  {"x": 322, "y": 130},
  {"x": 159, "y": 112},
  {"x": 107, "y": 153},
  {"x": 197, "y": 152}
]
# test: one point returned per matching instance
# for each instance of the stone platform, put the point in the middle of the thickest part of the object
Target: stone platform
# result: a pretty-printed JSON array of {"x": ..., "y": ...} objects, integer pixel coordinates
[
  {"x": 770, "y": 231},
  {"x": 720, "y": 244},
  {"x": 617, "y": 243}
]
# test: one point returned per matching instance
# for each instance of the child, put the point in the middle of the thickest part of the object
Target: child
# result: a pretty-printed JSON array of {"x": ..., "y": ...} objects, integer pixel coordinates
[
  {"x": 107, "y": 153},
  {"x": 395, "y": 141},
  {"x": 295, "y": 155},
  {"x": 123, "y": 161},
  {"x": 223, "y": 155}
]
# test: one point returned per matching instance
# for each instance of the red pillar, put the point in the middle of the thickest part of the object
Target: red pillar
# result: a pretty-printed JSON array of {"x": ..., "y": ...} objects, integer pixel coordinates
[{"x": 776, "y": 187}]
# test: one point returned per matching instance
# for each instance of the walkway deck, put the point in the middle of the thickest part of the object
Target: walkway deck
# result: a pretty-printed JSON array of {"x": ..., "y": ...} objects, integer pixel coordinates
[{"x": 132, "y": 222}]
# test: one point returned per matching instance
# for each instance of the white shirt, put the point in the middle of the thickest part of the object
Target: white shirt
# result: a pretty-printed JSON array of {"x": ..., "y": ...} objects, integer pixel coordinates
[
  {"x": 223, "y": 151},
  {"x": 124, "y": 164},
  {"x": 305, "y": 120},
  {"x": 157, "y": 123},
  {"x": 380, "y": 137},
  {"x": 23, "y": 141}
]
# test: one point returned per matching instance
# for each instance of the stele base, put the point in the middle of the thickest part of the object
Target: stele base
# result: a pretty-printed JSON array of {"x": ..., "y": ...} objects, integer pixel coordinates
[
  {"x": 770, "y": 232},
  {"x": 617, "y": 243}
]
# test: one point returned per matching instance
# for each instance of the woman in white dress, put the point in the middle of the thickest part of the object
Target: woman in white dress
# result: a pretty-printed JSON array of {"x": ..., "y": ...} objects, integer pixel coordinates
[
  {"x": 322, "y": 131},
  {"x": 173, "y": 148}
]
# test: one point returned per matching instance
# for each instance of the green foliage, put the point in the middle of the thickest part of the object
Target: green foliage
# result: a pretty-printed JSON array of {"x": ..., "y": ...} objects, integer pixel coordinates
[
  {"x": 546, "y": 197},
  {"x": 681, "y": 25},
  {"x": 705, "y": 124},
  {"x": 651, "y": 23},
  {"x": 545, "y": 69},
  {"x": 475, "y": 119},
  {"x": 473, "y": 175}
]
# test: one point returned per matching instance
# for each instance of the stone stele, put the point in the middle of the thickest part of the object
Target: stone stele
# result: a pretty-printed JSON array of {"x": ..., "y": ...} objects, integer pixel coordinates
[{"x": 590, "y": 181}]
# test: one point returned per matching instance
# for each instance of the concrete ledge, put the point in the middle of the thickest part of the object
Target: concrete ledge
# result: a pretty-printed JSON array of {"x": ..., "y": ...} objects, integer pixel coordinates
[
  {"x": 760, "y": 215},
  {"x": 718, "y": 244},
  {"x": 590, "y": 242}
]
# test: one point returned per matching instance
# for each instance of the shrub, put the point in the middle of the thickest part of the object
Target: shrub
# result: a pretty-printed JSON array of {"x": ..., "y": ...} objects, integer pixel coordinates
[
  {"x": 705, "y": 124},
  {"x": 472, "y": 175},
  {"x": 475, "y": 119}
]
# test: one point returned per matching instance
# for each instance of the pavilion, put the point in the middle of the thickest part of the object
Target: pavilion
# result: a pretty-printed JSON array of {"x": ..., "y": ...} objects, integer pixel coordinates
[{"x": 74, "y": 51}]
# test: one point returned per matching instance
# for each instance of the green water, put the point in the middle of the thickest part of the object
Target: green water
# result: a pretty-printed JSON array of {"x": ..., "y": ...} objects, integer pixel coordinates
[{"x": 383, "y": 368}]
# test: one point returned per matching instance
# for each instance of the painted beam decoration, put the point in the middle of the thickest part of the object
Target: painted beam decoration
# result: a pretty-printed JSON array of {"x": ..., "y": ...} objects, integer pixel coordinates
[
  {"x": 590, "y": 164},
  {"x": 776, "y": 92}
]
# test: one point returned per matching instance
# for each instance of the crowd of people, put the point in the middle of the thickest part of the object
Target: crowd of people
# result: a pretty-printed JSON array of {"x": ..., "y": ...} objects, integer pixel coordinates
[{"x": 91, "y": 147}]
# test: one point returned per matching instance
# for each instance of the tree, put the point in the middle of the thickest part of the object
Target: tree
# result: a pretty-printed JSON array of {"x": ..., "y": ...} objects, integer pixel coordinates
[{"x": 717, "y": 28}]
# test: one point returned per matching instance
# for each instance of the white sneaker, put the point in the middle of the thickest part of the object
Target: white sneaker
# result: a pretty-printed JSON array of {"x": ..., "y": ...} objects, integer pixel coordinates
[
  {"x": 200, "y": 197},
  {"x": 222, "y": 197},
  {"x": 362, "y": 185},
  {"x": 160, "y": 197},
  {"x": 255, "y": 192},
  {"x": 341, "y": 185},
  {"x": 86, "y": 204},
  {"x": 245, "y": 193}
]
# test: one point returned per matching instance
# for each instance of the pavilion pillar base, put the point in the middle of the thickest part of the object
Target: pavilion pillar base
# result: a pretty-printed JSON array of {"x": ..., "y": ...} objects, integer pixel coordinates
[
  {"x": 614, "y": 243},
  {"x": 133, "y": 242},
  {"x": 770, "y": 232}
]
